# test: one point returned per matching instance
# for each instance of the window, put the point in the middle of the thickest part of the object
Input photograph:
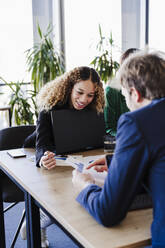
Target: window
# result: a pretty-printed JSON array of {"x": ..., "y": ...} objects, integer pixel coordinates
[
  {"x": 16, "y": 38},
  {"x": 156, "y": 13},
  {"x": 82, "y": 19}
]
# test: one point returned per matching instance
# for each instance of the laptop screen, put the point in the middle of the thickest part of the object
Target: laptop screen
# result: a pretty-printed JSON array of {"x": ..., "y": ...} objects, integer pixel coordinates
[{"x": 77, "y": 130}]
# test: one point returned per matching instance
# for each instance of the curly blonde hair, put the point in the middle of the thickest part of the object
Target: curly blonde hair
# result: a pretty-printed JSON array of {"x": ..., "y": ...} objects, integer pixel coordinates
[{"x": 58, "y": 91}]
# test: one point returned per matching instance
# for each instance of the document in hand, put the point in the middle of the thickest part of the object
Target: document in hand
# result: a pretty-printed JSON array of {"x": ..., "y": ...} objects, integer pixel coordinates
[{"x": 82, "y": 162}]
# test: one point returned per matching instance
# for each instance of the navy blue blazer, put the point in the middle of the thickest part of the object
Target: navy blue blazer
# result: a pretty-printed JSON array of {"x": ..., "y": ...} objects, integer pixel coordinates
[{"x": 139, "y": 155}]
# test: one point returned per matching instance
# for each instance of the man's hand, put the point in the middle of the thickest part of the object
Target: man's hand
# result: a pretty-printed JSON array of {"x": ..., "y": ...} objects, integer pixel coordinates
[
  {"x": 48, "y": 161},
  {"x": 99, "y": 165},
  {"x": 80, "y": 180}
]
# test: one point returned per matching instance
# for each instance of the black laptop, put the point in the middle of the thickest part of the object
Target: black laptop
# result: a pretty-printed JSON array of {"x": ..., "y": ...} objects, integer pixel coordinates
[{"x": 77, "y": 130}]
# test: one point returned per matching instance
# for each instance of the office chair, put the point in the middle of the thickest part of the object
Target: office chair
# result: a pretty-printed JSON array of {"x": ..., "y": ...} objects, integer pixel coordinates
[{"x": 11, "y": 138}]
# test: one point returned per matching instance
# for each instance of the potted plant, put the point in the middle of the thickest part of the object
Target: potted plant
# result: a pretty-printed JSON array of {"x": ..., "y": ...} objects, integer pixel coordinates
[
  {"x": 103, "y": 62},
  {"x": 22, "y": 103},
  {"x": 44, "y": 62}
]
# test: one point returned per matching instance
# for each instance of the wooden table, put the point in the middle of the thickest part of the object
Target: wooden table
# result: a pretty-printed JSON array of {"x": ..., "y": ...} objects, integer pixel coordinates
[{"x": 53, "y": 190}]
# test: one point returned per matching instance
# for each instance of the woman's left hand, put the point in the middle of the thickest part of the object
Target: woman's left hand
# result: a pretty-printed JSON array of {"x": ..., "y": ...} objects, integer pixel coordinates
[{"x": 80, "y": 180}]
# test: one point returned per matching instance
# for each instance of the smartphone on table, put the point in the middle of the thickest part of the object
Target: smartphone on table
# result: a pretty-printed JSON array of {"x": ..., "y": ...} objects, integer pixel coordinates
[{"x": 16, "y": 153}]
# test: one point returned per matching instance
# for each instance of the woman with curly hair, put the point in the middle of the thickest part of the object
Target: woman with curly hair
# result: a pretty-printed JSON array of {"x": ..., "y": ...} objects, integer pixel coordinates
[{"x": 78, "y": 89}]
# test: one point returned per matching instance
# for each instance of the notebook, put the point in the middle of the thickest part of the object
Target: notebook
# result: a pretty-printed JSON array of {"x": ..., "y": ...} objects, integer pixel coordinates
[{"x": 77, "y": 130}]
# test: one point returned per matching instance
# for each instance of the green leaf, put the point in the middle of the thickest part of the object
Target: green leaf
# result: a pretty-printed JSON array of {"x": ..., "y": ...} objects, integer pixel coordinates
[
  {"x": 44, "y": 62},
  {"x": 39, "y": 31},
  {"x": 105, "y": 64}
]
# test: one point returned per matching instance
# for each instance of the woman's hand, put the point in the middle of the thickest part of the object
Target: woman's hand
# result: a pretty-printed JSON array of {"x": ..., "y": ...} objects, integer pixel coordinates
[
  {"x": 48, "y": 161},
  {"x": 80, "y": 180},
  {"x": 99, "y": 165}
]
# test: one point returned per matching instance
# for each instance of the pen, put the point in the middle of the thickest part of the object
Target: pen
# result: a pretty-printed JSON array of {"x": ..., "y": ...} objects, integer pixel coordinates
[{"x": 61, "y": 157}]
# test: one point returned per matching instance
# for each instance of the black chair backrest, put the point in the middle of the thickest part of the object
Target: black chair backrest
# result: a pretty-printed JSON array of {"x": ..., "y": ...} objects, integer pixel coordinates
[{"x": 13, "y": 137}]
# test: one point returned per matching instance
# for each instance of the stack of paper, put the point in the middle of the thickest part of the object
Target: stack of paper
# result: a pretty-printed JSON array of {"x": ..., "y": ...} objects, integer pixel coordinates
[{"x": 81, "y": 163}]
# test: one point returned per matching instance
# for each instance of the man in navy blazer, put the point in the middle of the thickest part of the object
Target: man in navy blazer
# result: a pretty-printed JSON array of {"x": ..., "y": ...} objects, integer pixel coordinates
[{"x": 139, "y": 155}]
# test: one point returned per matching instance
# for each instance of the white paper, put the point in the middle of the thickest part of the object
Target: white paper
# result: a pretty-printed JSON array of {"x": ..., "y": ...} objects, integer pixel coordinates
[{"x": 98, "y": 176}]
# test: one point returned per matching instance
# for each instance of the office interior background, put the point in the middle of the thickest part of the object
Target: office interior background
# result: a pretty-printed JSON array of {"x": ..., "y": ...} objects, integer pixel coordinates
[{"x": 133, "y": 23}]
